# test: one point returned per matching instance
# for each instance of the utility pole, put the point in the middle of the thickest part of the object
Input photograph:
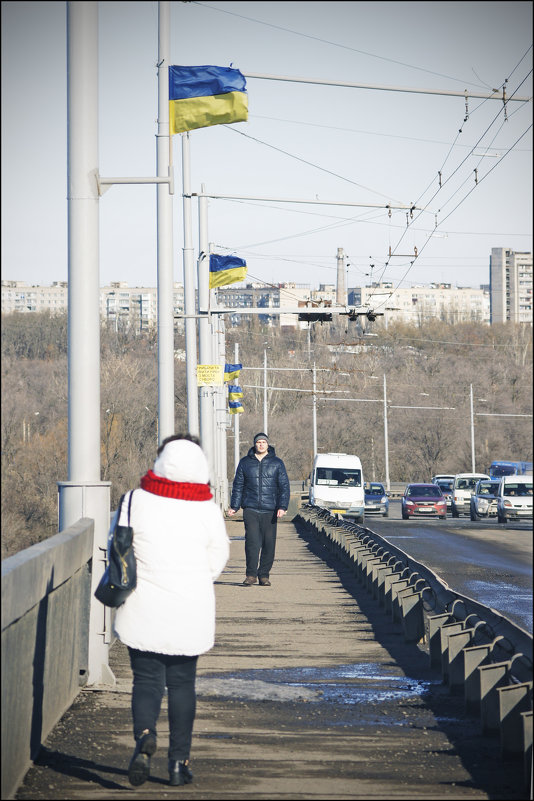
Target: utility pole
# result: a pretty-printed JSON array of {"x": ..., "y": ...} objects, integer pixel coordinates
[{"x": 341, "y": 289}]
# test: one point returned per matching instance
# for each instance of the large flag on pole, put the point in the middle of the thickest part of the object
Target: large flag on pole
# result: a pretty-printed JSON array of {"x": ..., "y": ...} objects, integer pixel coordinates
[
  {"x": 235, "y": 407},
  {"x": 206, "y": 95},
  {"x": 226, "y": 270}
]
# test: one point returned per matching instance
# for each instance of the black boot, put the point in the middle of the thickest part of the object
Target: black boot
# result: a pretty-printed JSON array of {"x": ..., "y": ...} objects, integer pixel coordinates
[
  {"x": 179, "y": 772},
  {"x": 139, "y": 768}
]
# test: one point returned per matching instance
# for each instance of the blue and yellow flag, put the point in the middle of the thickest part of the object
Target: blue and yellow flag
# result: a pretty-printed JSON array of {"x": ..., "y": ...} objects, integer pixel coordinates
[
  {"x": 231, "y": 371},
  {"x": 234, "y": 407},
  {"x": 234, "y": 392},
  {"x": 203, "y": 96},
  {"x": 226, "y": 270}
]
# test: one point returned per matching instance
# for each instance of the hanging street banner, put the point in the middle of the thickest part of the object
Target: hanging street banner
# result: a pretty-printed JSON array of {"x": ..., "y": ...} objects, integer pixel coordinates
[{"x": 210, "y": 375}]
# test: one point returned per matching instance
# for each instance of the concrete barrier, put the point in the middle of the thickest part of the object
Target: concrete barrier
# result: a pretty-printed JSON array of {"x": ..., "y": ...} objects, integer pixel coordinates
[{"x": 45, "y": 628}]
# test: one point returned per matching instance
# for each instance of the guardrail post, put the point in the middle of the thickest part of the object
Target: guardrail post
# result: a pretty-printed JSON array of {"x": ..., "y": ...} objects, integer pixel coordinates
[
  {"x": 474, "y": 657},
  {"x": 526, "y": 720},
  {"x": 413, "y": 621},
  {"x": 444, "y": 633},
  {"x": 492, "y": 676},
  {"x": 455, "y": 670},
  {"x": 513, "y": 700}
]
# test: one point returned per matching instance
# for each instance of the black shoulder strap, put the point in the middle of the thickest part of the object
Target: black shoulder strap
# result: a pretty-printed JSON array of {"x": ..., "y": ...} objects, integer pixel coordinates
[{"x": 130, "y": 505}]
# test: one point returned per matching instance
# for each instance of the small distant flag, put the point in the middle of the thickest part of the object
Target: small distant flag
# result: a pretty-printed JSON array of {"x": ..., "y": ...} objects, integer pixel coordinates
[
  {"x": 234, "y": 392},
  {"x": 235, "y": 407},
  {"x": 231, "y": 372},
  {"x": 226, "y": 270},
  {"x": 205, "y": 95}
]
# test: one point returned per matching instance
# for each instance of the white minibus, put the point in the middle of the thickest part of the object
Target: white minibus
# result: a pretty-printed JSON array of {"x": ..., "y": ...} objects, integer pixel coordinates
[{"x": 337, "y": 484}]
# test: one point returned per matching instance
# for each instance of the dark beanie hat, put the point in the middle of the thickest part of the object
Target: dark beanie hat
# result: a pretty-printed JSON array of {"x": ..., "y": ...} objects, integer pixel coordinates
[{"x": 260, "y": 436}]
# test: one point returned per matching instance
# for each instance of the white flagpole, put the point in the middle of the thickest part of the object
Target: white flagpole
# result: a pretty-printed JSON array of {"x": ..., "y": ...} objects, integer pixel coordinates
[
  {"x": 164, "y": 236},
  {"x": 189, "y": 294}
]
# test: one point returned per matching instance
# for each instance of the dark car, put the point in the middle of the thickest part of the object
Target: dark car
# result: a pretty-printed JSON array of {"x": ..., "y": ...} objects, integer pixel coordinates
[
  {"x": 446, "y": 486},
  {"x": 484, "y": 502},
  {"x": 376, "y": 499},
  {"x": 423, "y": 500}
]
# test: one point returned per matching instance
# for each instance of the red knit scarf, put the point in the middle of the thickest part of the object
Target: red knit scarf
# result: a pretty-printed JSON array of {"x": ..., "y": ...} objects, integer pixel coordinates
[{"x": 175, "y": 489}]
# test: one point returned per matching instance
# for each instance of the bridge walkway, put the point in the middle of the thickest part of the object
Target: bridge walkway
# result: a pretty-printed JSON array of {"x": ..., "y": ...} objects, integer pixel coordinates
[{"x": 310, "y": 693}]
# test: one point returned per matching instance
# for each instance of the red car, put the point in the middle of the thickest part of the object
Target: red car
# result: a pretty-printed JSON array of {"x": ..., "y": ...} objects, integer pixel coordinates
[{"x": 423, "y": 500}]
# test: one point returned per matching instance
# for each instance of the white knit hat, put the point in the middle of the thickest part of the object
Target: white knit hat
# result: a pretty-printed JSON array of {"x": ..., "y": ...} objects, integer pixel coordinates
[{"x": 182, "y": 460}]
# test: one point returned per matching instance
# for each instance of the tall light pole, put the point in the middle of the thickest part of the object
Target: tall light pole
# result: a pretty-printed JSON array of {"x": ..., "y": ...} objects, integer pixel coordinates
[
  {"x": 386, "y": 446},
  {"x": 472, "y": 430},
  {"x": 164, "y": 235}
]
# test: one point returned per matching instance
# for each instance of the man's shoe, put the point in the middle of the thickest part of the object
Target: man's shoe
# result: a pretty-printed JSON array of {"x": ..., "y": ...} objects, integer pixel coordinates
[
  {"x": 264, "y": 582},
  {"x": 249, "y": 581},
  {"x": 139, "y": 768},
  {"x": 179, "y": 772}
]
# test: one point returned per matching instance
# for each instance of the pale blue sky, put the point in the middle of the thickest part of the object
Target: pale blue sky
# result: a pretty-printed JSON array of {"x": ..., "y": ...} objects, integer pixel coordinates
[{"x": 365, "y": 146}]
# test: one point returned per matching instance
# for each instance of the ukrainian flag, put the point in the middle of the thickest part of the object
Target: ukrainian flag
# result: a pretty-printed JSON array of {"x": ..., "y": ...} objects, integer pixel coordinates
[
  {"x": 231, "y": 371},
  {"x": 226, "y": 270},
  {"x": 234, "y": 407},
  {"x": 234, "y": 392},
  {"x": 203, "y": 96}
]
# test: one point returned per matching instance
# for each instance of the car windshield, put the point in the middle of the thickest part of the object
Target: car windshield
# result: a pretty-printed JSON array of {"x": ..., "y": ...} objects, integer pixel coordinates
[
  {"x": 488, "y": 488},
  {"x": 519, "y": 488},
  {"x": 466, "y": 483},
  {"x": 375, "y": 489},
  {"x": 424, "y": 492},
  {"x": 444, "y": 485},
  {"x": 337, "y": 477}
]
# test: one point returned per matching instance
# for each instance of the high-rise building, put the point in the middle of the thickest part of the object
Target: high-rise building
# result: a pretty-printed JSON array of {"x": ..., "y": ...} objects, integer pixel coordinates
[{"x": 510, "y": 286}]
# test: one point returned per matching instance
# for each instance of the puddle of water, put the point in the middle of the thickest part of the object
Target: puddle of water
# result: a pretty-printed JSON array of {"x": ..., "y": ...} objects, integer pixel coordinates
[{"x": 342, "y": 684}]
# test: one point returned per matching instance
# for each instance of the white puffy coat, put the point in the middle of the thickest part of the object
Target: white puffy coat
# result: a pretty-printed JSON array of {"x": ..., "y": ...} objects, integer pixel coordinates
[{"x": 181, "y": 547}]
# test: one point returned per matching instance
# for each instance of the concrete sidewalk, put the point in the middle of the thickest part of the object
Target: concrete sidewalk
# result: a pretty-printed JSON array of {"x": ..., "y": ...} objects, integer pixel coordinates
[{"x": 310, "y": 693}]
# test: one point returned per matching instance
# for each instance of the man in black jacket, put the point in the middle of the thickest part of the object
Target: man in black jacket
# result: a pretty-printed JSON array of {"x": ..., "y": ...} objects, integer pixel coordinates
[{"x": 261, "y": 487}]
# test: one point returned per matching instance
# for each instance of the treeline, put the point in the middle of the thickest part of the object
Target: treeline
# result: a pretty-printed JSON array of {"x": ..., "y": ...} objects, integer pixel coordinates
[{"x": 428, "y": 372}]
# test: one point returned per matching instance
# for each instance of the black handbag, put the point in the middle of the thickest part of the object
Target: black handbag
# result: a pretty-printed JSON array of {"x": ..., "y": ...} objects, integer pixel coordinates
[{"x": 120, "y": 575}]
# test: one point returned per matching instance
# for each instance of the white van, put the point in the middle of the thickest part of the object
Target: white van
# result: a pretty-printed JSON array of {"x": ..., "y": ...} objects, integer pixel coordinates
[
  {"x": 337, "y": 484},
  {"x": 514, "y": 500},
  {"x": 462, "y": 489}
]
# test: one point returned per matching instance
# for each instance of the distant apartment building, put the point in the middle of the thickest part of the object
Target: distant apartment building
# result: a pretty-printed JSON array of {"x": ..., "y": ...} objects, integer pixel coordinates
[
  {"x": 121, "y": 306},
  {"x": 17, "y": 296},
  {"x": 510, "y": 286},
  {"x": 417, "y": 304}
]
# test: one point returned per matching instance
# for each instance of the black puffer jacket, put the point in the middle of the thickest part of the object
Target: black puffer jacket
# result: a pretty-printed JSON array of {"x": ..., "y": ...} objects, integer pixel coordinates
[{"x": 262, "y": 485}]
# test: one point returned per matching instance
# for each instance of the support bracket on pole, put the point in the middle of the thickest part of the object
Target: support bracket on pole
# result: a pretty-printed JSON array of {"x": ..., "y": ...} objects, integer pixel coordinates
[{"x": 104, "y": 184}]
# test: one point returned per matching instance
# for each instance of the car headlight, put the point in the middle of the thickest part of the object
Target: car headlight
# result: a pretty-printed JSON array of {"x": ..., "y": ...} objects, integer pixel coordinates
[
  {"x": 483, "y": 504},
  {"x": 383, "y": 500},
  {"x": 409, "y": 503}
]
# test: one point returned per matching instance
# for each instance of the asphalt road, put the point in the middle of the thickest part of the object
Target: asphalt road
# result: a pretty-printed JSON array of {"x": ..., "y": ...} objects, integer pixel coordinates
[{"x": 487, "y": 561}]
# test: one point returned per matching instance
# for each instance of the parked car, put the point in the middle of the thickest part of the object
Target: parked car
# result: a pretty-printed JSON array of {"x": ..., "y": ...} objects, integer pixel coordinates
[
  {"x": 376, "y": 499},
  {"x": 483, "y": 502},
  {"x": 514, "y": 500},
  {"x": 442, "y": 477},
  {"x": 464, "y": 487},
  {"x": 423, "y": 500},
  {"x": 445, "y": 485}
]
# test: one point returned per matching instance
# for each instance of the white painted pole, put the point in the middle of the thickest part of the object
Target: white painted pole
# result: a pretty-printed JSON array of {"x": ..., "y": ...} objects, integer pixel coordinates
[
  {"x": 206, "y": 355},
  {"x": 164, "y": 236},
  {"x": 314, "y": 422},
  {"x": 84, "y": 495},
  {"x": 189, "y": 294},
  {"x": 472, "y": 431},
  {"x": 83, "y": 243},
  {"x": 386, "y": 444},
  {"x": 265, "y": 410},
  {"x": 236, "y": 416}
]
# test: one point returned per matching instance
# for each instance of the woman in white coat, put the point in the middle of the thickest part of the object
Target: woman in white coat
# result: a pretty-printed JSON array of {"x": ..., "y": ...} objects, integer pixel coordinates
[{"x": 181, "y": 547}]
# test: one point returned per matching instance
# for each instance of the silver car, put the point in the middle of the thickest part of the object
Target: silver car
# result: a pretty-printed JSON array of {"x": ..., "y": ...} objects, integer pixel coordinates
[{"x": 484, "y": 501}]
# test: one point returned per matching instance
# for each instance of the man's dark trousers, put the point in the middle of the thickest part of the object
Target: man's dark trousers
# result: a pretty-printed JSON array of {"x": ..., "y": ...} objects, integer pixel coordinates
[{"x": 260, "y": 541}]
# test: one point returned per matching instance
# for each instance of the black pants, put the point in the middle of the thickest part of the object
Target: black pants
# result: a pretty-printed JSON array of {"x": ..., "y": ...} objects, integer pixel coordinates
[
  {"x": 151, "y": 674},
  {"x": 260, "y": 541}
]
